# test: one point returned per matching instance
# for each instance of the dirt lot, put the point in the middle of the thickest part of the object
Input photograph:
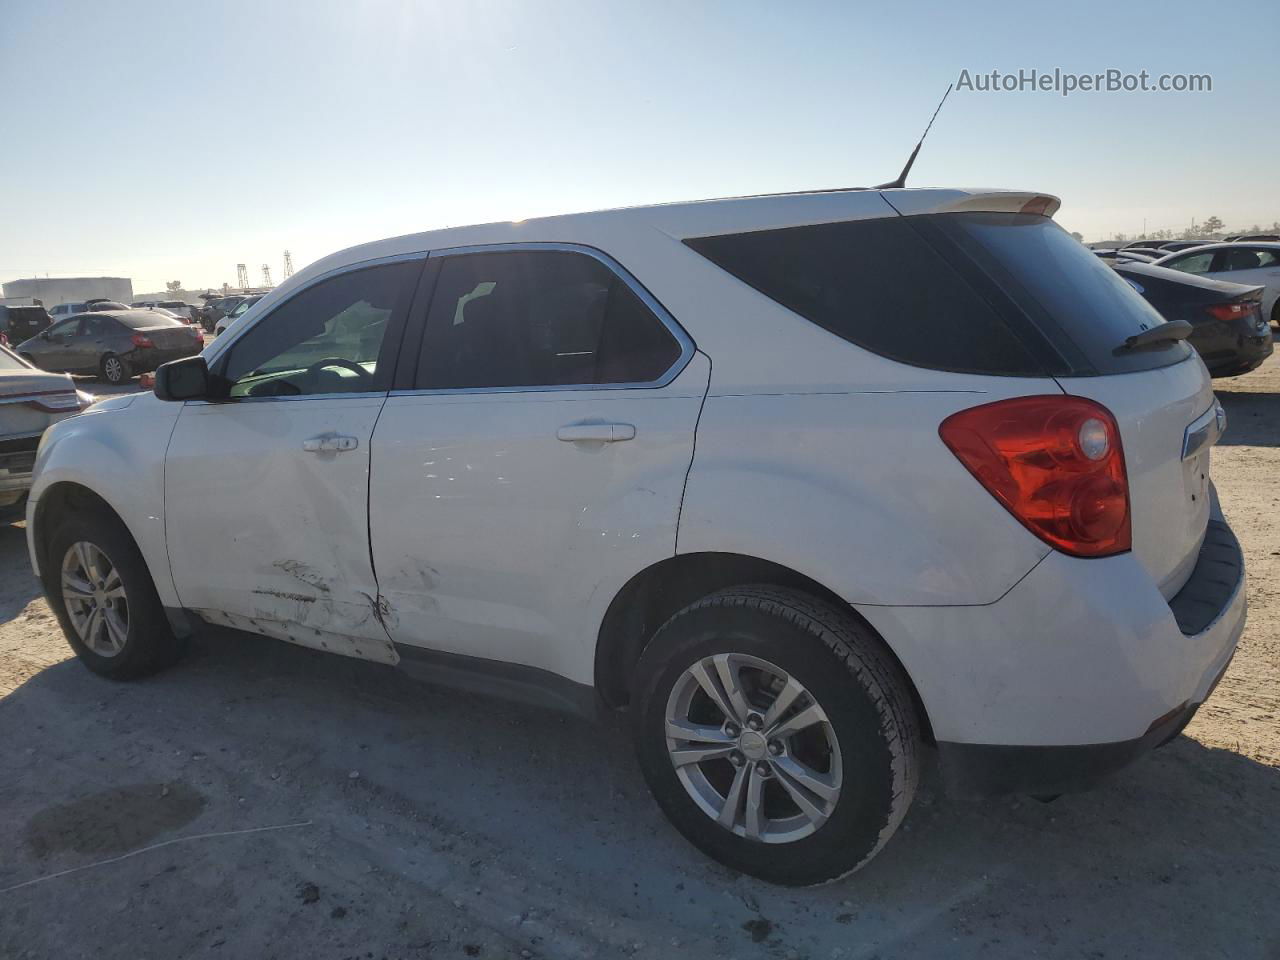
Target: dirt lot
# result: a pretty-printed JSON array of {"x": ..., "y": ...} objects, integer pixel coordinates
[{"x": 401, "y": 821}]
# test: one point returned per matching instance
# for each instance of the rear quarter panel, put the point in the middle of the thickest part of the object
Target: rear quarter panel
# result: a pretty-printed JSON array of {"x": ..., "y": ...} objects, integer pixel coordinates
[{"x": 858, "y": 492}]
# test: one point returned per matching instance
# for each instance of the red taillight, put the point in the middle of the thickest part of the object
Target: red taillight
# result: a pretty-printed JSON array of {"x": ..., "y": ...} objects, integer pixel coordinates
[
  {"x": 140, "y": 341},
  {"x": 1056, "y": 464},
  {"x": 1232, "y": 311}
]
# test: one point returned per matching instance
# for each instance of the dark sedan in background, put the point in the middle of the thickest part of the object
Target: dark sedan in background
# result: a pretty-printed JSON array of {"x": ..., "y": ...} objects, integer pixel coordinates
[
  {"x": 1228, "y": 329},
  {"x": 114, "y": 345}
]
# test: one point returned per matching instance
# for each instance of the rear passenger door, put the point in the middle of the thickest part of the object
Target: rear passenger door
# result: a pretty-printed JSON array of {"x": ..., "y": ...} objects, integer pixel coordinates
[
  {"x": 88, "y": 344},
  {"x": 1249, "y": 265},
  {"x": 535, "y": 458}
]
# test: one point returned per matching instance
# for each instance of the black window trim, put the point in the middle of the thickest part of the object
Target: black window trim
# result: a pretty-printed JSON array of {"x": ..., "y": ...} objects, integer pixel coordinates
[
  {"x": 419, "y": 317},
  {"x": 391, "y": 344}
]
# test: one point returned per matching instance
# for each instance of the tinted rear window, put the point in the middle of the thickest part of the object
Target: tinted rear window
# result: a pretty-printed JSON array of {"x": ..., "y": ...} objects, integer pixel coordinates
[
  {"x": 1005, "y": 294},
  {"x": 141, "y": 319},
  {"x": 1079, "y": 304},
  {"x": 879, "y": 284}
]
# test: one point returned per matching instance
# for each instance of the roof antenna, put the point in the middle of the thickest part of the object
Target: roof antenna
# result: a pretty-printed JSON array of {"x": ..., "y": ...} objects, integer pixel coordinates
[{"x": 902, "y": 177}]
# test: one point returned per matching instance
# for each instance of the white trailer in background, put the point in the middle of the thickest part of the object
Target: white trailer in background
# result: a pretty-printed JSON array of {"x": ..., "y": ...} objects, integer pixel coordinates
[{"x": 52, "y": 291}]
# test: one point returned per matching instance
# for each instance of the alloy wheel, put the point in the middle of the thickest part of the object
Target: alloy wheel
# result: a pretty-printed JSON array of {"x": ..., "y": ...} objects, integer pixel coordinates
[
  {"x": 114, "y": 369},
  {"x": 753, "y": 748},
  {"x": 95, "y": 598}
]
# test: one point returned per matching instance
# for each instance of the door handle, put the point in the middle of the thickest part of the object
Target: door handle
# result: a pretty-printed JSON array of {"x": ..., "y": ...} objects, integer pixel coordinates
[
  {"x": 329, "y": 443},
  {"x": 599, "y": 432}
]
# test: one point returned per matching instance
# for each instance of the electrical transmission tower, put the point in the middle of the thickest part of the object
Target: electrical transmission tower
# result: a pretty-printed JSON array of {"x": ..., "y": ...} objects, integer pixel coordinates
[
  {"x": 266, "y": 275},
  {"x": 242, "y": 276},
  {"x": 288, "y": 265}
]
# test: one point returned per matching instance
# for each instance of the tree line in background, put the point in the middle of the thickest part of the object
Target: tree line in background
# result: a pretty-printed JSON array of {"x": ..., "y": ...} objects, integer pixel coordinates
[{"x": 1212, "y": 228}]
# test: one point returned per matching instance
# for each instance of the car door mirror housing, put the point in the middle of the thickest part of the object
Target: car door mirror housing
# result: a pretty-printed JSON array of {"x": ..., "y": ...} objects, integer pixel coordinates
[{"x": 185, "y": 379}]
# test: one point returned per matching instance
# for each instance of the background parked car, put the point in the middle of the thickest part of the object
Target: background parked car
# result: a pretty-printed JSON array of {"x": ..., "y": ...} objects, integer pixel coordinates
[
  {"x": 71, "y": 309},
  {"x": 215, "y": 310},
  {"x": 1122, "y": 256},
  {"x": 179, "y": 308},
  {"x": 30, "y": 401},
  {"x": 1228, "y": 329},
  {"x": 21, "y": 323},
  {"x": 241, "y": 307},
  {"x": 1246, "y": 262},
  {"x": 1183, "y": 244},
  {"x": 115, "y": 345}
]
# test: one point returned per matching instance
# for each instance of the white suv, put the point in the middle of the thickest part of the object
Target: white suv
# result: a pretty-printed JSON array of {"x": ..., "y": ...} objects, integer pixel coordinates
[{"x": 817, "y": 487}]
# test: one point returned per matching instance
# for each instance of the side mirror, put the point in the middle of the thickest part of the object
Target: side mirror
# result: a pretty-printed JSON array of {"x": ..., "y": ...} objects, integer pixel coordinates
[
  {"x": 185, "y": 379},
  {"x": 45, "y": 335}
]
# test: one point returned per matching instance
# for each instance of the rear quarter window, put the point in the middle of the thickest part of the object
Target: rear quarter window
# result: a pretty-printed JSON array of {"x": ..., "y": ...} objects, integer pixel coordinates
[
  {"x": 989, "y": 293},
  {"x": 878, "y": 284}
]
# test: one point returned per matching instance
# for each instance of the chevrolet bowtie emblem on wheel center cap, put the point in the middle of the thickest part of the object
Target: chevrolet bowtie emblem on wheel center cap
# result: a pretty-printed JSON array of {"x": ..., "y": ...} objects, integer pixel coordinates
[{"x": 753, "y": 745}]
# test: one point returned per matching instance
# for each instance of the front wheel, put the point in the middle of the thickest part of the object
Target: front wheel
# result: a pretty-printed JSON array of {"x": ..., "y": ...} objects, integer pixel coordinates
[
  {"x": 98, "y": 586},
  {"x": 113, "y": 369},
  {"x": 776, "y": 734}
]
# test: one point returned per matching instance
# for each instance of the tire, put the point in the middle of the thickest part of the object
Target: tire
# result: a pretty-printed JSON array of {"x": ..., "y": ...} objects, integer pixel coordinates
[
  {"x": 1275, "y": 314},
  {"x": 866, "y": 745},
  {"x": 148, "y": 642},
  {"x": 113, "y": 370}
]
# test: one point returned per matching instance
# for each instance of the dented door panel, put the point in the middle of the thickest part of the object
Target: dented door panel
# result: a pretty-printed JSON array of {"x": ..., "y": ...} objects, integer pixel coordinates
[
  {"x": 498, "y": 533},
  {"x": 269, "y": 535}
]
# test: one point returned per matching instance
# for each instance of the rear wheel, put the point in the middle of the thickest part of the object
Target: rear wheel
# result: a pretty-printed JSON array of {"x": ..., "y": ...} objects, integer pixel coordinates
[
  {"x": 776, "y": 734},
  {"x": 98, "y": 586},
  {"x": 113, "y": 369}
]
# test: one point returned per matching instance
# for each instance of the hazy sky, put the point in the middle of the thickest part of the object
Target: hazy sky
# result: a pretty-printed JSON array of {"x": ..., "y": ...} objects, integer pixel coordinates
[{"x": 167, "y": 141}]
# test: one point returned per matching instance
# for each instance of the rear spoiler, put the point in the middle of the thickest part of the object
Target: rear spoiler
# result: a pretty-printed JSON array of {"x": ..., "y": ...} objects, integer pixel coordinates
[{"x": 914, "y": 202}]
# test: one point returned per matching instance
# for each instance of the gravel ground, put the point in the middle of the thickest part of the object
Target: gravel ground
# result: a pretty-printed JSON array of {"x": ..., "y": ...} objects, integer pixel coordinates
[{"x": 393, "y": 819}]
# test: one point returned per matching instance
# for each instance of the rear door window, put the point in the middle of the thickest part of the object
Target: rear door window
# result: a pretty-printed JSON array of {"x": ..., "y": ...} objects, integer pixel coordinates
[
  {"x": 1197, "y": 263},
  {"x": 539, "y": 318}
]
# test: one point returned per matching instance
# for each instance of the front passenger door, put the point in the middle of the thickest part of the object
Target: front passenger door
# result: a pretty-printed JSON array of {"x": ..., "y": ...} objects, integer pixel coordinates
[
  {"x": 51, "y": 350},
  {"x": 266, "y": 491}
]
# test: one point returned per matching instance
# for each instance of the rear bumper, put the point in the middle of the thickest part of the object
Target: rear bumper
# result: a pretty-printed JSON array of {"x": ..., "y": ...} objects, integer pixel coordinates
[
  {"x": 989, "y": 770},
  {"x": 17, "y": 459},
  {"x": 1081, "y": 668},
  {"x": 1245, "y": 354}
]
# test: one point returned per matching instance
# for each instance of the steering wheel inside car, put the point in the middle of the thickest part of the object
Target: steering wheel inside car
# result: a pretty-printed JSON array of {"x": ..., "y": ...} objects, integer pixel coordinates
[{"x": 345, "y": 364}]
